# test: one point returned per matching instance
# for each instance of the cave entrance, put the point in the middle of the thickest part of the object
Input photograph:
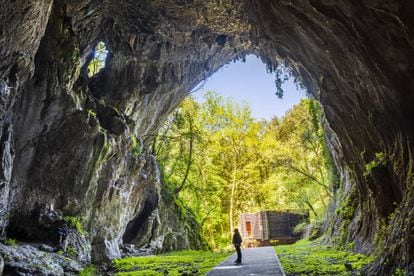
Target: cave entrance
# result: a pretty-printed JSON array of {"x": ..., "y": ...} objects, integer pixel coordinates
[{"x": 233, "y": 147}]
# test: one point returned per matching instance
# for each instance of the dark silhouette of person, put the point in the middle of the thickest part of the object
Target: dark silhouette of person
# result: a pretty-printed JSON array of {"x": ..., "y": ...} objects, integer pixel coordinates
[{"x": 237, "y": 240}]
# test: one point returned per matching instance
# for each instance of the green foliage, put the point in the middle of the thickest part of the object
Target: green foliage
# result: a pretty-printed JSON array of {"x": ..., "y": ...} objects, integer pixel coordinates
[
  {"x": 89, "y": 270},
  {"x": 11, "y": 242},
  {"x": 136, "y": 146},
  {"x": 310, "y": 258},
  {"x": 221, "y": 162},
  {"x": 282, "y": 74},
  {"x": 91, "y": 112},
  {"x": 71, "y": 252},
  {"x": 346, "y": 212},
  {"x": 75, "y": 223},
  {"x": 174, "y": 263},
  {"x": 315, "y": 228},
  {"x": 379, "y": 160},
  {"x": 301, "y": 227},
  {"x": 98, "y": 60},
  {"x": 400, "y": 272},
  {"x": 301, "y": 159},
  {"x": 381, "y": 233},
  {"x": 347, "y": 208}
]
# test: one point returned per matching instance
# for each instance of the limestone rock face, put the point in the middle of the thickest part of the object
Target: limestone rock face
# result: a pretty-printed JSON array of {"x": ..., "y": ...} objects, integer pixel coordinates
[
  {"x": 66, "y": 138},
  {"x": 22, "y": 26},
  {"x": 35, "y": 260},
  {"x": 357, "y": 60}
]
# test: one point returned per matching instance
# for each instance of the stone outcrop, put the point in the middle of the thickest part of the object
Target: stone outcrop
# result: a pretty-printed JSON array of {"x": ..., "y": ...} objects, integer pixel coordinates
[
  {"x": 37, "y": 260},
  {"x": 66, "y": 139},
  {"x": 356, "y": 60}
]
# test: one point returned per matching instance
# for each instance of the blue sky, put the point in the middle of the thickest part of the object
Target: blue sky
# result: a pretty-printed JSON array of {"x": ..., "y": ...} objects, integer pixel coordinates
[{"x": 250, "y": 82}]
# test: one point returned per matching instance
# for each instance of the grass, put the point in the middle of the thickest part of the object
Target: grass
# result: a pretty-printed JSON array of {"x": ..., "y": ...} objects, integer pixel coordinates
[
  {"x": 11, "y": 242},
  {"x": 175, "y": 263},
  {"x": 75, "y": 223},
  {"x": 310, "y": 258},
  {"x": 89, "y": 270}
]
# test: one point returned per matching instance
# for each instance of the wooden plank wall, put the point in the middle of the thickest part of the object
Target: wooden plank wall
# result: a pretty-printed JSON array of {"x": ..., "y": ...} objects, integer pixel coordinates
[
  {"x": 258, "y": 228},
  {"x": 282, "y": 224},
  {"x": 256, "y": 224},
  {"x": 265, "y": 224},
  {"x": 272, "y": 225}
]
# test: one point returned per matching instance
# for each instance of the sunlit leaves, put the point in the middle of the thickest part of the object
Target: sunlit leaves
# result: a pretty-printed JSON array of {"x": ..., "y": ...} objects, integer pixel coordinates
[
  {"x": 233, "y": 164},
  {"x": 98, "y": 60}
]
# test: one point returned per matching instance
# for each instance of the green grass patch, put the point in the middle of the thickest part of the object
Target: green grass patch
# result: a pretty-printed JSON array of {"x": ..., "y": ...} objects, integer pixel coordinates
[
  {"x": 89, "y": 270},
  {"x": 175, "y": 263},
  {"x": 75, "y": 223},
  {"x": 311, "y": 258},
  {"x": 11, "y": 242}
]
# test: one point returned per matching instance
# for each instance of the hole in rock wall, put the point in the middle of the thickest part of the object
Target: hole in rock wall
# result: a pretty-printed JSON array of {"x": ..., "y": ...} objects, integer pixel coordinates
[
  {"x": 98, "y": 60},
  {"x": 136, "y": 225}
]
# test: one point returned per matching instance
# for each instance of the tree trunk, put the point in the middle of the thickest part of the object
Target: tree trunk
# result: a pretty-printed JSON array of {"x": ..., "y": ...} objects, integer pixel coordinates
[
  {"x": 311, "y": 207},
  {"x": 233, "y": 190},
  {"x": 189, "y": 160}
]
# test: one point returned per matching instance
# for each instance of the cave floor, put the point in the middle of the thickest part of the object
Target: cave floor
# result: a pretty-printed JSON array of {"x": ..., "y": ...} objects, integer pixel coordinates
[{"x": 255, "y": 261}]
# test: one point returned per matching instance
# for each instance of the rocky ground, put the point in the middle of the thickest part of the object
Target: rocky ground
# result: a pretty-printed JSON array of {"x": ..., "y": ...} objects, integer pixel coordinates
[{"x": 38, "y": 259}]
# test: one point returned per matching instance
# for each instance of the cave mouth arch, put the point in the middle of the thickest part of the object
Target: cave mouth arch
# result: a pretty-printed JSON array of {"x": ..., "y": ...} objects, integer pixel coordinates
[
  {"x": 355, "y": 58},
  {"x": 241, "y": 78},
  {"x": 224, "y": 128},
  {"x": 342, "y": 73}
]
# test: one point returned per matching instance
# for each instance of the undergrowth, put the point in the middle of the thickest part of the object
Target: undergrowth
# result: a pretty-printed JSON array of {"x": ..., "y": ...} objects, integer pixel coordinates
[
  {"x": 310, "y": 258},
  {"x": 89, "y": 270},
  {"x": 11, "y": 242},
  {"x": 186, "y": 262},
  {"x": 75, "y": 223}
]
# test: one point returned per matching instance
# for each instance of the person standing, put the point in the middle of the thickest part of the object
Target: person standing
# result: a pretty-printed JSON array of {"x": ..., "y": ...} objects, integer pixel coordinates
[{"x": 237, "y": 240}]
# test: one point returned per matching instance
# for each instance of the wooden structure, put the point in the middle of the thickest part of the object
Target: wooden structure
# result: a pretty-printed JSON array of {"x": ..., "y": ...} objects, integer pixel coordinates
[{"x": 270, "y": 227}]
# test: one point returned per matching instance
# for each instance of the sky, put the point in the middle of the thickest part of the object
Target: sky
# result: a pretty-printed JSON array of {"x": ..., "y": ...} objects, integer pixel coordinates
[{"x": 249, "y": 81}]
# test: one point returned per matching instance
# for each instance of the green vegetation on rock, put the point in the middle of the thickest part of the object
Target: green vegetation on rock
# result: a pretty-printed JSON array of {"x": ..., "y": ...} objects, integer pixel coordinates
[
  {"x": 89, "y": 270},
  {"x": 74, "y": 223},
  {"x": 11, "y": 242},
  {"x": 175, "y": 263},
  {"x": 71, "y": 251},
  {"x": 311, "y": 258},
  {"x": 136, "y": 146},
  {"x": 379, "y": 160}
]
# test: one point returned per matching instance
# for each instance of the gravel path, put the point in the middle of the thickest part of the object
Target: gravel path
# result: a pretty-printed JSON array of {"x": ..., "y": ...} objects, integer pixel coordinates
[{"x": 255, "y": 261}]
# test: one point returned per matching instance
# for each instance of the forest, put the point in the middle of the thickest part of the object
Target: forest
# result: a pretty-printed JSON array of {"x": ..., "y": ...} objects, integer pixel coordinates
[{"x": 219, "y": 161}]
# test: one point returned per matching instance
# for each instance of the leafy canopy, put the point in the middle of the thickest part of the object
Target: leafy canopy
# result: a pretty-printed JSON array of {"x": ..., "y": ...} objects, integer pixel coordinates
[{"x": 221, "y": 162}]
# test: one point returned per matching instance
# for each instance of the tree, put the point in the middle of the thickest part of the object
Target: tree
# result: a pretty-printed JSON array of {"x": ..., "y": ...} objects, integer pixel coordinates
[
  {"x": 221, "y": 162},
  {"x": 299, "y": 155}
]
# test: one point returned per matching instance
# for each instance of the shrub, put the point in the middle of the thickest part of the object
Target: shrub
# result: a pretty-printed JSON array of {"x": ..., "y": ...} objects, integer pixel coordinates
[
  {"x": 311, "y": 258},
  {"x": 11, "y": 242},
  {"x": 75, "y": 223},
  {"x": 89, "y": 270}
]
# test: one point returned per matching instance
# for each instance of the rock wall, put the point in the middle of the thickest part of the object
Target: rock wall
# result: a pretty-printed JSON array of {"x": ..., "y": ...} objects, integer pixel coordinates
[
  {"x": 22, "y": 27},
  {"x": 356, "y": 59},
  {"x": 67, "y": 139},
  {"x": 70, "y": 142}
]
